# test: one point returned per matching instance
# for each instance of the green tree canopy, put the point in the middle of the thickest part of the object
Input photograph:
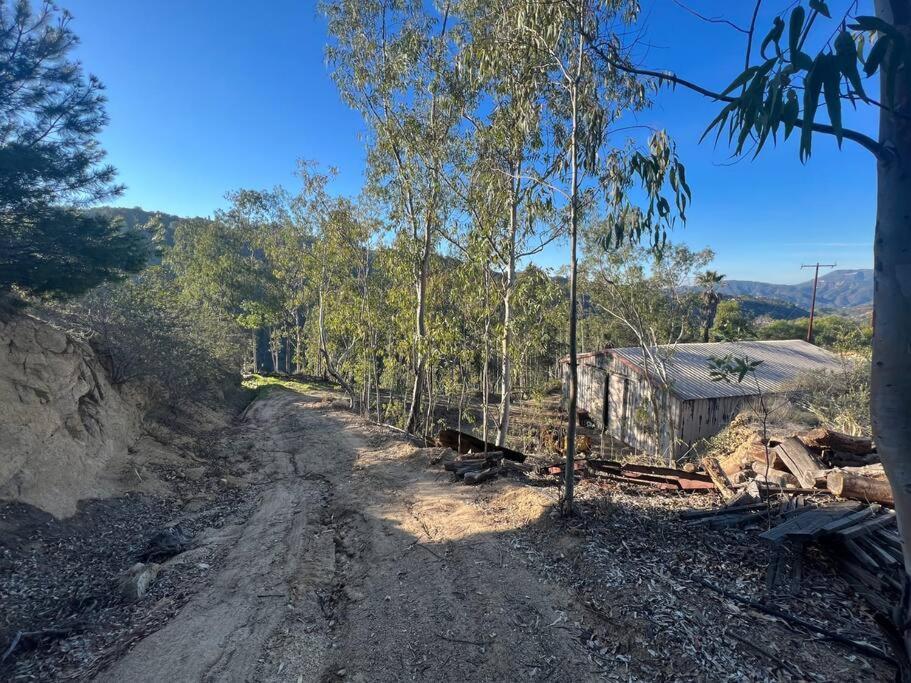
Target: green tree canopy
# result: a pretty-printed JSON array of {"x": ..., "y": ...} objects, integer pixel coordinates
[{"x": 52, "y": 163}]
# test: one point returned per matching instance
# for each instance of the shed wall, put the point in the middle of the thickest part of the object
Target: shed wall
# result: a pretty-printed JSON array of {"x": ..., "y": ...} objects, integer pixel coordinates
[{"x": 627, "y": 396}]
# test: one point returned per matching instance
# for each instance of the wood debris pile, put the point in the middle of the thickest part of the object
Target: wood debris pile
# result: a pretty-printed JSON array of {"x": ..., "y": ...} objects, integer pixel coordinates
[
  {"x": 845, "y": 466},
  {"x": 479, "y": 461},
  {"x": 787, "y": 487}
]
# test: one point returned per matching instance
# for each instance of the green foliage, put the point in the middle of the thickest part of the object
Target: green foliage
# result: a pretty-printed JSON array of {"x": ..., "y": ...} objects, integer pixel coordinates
[
  {"x": 64, "y": 252},
  {"x": 833, "y": 332},
  {"x": 263, "y": 383},
  {"x": 146, "y": 335},
  {"x": 784, "y": 91},
  {"x": 731, "y": 323},
  {"x": 636, "y": 297},
  {"x": 50, "y": 159},
  {"x": 730, "y": 368}
]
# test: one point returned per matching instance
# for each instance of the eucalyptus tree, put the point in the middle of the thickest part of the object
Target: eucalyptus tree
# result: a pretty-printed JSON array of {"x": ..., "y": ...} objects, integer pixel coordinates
[
  {"x": 648, "y": 294},
  {"x": 389, "y": 59},
  {"x": 501, "y": 88},
  {"x": 580, "y": 108}
]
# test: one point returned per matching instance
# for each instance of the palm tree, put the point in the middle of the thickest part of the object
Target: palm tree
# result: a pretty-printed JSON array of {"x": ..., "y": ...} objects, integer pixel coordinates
[{"x": 708, "y": 281}]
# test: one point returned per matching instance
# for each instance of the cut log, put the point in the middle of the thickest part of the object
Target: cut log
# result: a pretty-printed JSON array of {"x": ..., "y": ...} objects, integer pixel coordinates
[
  {"x": 520, "y": 467},
  {"x": 870, "y": 489},
  {"x": 773, "y": 476},
  {"x": 836, "y": 441},
  {"x": 800, "y": 461},
  {"x": 476, "y": 477},
  {"x": 463, "y": 443},
  {"x": 719, "y": 478},
  {"x": 750, "y": 451}
]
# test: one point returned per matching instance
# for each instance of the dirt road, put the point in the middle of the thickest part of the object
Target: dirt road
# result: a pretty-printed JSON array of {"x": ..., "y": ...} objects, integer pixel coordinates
[{"x": 361, "y": 563}]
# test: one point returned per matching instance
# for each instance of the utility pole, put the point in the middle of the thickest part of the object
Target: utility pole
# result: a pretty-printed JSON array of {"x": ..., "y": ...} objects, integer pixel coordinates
[{"x": 817, "y": 266}]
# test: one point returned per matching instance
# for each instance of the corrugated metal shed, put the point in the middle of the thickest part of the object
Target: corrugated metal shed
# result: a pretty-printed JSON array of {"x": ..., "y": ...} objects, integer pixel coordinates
[{"x": 782, "y": 361}]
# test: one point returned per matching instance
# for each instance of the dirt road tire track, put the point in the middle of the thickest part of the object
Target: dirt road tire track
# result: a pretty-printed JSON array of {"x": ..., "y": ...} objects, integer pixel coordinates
[{"x": 361, "y": 563}]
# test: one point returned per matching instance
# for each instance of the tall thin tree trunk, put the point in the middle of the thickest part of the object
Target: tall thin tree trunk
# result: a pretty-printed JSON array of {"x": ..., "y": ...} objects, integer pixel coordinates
[
  {"x": 298, "y": 369},
  {"x": 485, "y": 372},
  {"x": 420, "y": 332},
  {"x": 573, "y": 235},
  {"x": 506, "y": 336},
  {"x": 255, "y": 350},
  {"x": 890, "y": 405}
]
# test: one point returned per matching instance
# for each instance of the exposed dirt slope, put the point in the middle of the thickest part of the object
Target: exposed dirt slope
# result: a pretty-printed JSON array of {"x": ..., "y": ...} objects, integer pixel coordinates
[
  {"x": 360, "y": 564},
  {"x": 63, "y": 424}
]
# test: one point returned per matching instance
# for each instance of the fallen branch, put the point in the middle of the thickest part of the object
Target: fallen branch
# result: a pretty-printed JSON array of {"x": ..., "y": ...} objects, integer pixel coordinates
[{"x": 868, "y": 650}]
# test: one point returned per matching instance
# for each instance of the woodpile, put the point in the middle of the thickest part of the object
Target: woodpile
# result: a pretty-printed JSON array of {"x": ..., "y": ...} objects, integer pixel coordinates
[
  {"x": 462, "y": 442},
  {"x": 862, "y": 539},
  {"x": 475, "y": 468},
  {"x": 846, "y": 466},
  {"x": 818, "y": 487}
]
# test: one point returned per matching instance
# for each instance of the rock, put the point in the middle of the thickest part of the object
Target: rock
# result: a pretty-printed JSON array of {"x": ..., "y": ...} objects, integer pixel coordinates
[
  {"x": 134, "y": 584},
  {"x": 196, "y": 504},
  {"x": 689, "y": 467},
  {"x": 194, "y": 473},
  {"x": 167, "y": 543}
]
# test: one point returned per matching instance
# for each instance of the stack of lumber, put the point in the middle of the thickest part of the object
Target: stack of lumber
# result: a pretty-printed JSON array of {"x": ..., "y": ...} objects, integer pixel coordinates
[
  {"x": 476, "y": 468},
  {"x": 847, "y": 466},
  {"x": 479, "y": 461},
  {"x": 462, "y": 442},
  {"x": 862, "y": 539}
]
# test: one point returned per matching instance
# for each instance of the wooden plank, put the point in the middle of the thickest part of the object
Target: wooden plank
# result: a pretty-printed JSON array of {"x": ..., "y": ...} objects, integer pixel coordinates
[
  {"x": 718, "y": 477},
  {"x": 861, "y": 556},
  {"x": 773, "y": 476},
  {"x": 463, "y": 442},
  {"x": 728, "y": 520},
  {"x": 806, "y": 523},
  {"x": 728, "y": 509},
  {"x": 865, "y": 527},
  {"x": 476, "y": 477},
  {"x": 850, "y": 519},
  {"x": 799, "y": 460},
  {"x": 670, "y": 472},
  {"x": 882, "y": 556}
]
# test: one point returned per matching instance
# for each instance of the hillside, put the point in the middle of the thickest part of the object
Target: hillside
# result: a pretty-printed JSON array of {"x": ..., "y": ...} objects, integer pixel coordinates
[
  {"x": 137, "y": 218},
  {"x": 837, "y": 289}
]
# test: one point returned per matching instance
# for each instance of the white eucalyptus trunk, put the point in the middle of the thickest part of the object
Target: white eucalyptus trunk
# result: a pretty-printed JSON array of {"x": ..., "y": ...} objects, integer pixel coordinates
[
  {"x": 414, "y": 410},
  {"x": 506, "y": 336}
]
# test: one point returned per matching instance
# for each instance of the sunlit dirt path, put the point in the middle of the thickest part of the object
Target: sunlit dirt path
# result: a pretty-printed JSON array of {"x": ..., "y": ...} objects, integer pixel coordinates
[{"x": 362, "y": 563}]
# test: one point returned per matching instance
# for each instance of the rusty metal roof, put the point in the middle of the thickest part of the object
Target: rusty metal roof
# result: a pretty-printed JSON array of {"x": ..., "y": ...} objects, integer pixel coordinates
[{"x": 782, "y": 361}]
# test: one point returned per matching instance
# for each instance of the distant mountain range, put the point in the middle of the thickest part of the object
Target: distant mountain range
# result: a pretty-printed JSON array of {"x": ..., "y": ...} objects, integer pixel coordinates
[{"x": 838, "y": 289}]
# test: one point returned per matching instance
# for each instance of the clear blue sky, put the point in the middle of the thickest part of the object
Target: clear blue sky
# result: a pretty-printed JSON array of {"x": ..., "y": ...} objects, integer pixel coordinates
[{"x": 208, "y": 96}]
